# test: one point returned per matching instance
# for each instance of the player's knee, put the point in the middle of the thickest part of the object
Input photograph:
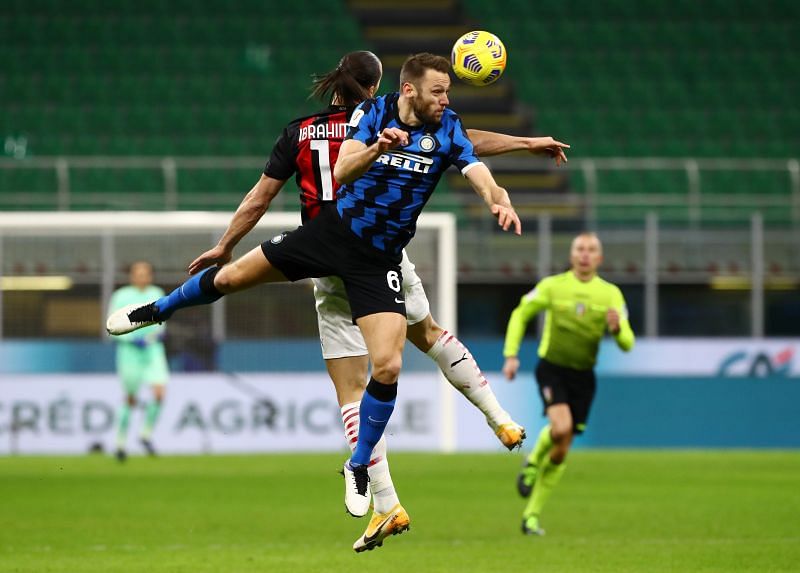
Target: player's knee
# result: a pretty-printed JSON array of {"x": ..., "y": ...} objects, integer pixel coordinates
[
  {"x": 561, "y": 433},
  {"x": 226, "y": 280},
  {"x": 131, "y": 400},
  {"x": 387, "y": 369}
]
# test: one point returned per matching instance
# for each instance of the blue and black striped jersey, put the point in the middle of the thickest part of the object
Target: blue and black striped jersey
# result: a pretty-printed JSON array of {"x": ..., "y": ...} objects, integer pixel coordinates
[{"x": 382, "y": 206}]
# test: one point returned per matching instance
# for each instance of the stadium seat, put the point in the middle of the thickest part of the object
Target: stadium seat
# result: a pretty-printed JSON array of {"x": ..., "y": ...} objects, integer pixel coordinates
[
  {"x": 650, "y": 78},
  {"x": 621, "y": 77}
]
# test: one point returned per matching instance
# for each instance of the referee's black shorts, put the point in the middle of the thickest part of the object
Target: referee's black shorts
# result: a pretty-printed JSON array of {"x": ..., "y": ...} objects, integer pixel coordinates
[
  {"x": 325, "y": 247},
  {"x": 561, "y": 385}
]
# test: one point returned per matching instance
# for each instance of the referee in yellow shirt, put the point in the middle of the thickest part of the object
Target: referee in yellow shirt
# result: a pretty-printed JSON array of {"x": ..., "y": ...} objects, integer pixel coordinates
[{"x": 580, "y": 307}]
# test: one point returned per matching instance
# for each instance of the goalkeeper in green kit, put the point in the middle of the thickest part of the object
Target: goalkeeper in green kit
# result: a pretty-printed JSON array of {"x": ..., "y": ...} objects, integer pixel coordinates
[
  {"x": 580, "y": 308},
  {"x": 141, "y": 358}
]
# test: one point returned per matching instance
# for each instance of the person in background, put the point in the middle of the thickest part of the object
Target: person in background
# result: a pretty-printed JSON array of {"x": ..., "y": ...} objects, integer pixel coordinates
[
  {"x": 580, "y": 308},
  {"x": 140, "y": 359}
]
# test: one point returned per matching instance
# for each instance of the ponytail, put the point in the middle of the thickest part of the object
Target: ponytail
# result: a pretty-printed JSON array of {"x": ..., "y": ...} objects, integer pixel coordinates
[{"x": 351, "y": 80}]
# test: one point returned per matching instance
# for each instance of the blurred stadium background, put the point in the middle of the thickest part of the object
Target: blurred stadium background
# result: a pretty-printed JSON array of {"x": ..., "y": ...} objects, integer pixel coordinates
[
  {"x": 684, "y": 121},
  {"x": 683, "y": 117}
]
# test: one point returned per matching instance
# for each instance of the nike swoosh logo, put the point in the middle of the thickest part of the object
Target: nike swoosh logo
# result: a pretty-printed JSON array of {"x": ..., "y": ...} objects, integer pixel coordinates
[
  {"x": 463, "y": 358},
  {"x": 371, "y": 419},
  {"x": 370, "y": 538},
  {"x": 399, "y": 301}
]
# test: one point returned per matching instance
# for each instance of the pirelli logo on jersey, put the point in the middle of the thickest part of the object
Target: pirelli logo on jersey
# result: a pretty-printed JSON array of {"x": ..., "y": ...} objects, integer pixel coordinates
[
  {"x": 323, "y": 131},
  {"x": 407, "y": 161}
]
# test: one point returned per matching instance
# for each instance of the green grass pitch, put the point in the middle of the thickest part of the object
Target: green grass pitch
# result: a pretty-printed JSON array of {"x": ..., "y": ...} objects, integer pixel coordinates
[{"x": 615, "y": 511}]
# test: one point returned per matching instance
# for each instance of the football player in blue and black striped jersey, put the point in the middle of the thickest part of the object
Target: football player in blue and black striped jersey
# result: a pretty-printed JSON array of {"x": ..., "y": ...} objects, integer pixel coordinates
[{"x": 361, "y": 241}]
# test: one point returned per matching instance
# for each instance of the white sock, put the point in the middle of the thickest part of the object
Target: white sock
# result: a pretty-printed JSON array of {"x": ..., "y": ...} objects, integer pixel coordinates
[
  {"x": 459, "y": 367},
  {"x": 384, "y": 496}
]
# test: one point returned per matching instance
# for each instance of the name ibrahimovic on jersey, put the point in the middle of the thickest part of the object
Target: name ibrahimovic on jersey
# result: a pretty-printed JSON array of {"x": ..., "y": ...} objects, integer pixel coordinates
[{"x": 323, "y": 131}]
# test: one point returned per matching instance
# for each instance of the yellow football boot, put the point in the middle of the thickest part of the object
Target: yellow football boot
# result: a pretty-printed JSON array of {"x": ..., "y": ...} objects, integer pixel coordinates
[
  {"x": 381, "y": 526},
  {"x": 511, "y": 434}
]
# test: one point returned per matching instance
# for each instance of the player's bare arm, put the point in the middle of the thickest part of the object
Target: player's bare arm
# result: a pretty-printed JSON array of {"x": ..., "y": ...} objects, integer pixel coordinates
[
  {"x": 355, "y": 158},
  {"x": 495, "y": 197},
  {"x": 489, "y": 143},
  {"x": 249, "y": 212}
]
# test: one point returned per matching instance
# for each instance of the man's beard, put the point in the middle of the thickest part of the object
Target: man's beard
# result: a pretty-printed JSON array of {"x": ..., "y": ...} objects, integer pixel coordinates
[{"x": 421, "y": 112}]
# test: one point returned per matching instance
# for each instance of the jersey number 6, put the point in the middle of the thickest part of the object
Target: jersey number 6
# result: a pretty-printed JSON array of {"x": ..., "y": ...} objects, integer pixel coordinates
[{"x": 393, "y": 279}]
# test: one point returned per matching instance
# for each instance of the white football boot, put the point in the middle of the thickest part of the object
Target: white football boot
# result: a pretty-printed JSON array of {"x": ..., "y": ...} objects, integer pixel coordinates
[
  {"x": 132, "y": 317},
  {"x": 357, "y": 496}
]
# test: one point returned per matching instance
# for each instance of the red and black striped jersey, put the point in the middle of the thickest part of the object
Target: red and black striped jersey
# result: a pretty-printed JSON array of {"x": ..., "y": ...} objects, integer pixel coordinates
[{"x": 308, "y": 148}]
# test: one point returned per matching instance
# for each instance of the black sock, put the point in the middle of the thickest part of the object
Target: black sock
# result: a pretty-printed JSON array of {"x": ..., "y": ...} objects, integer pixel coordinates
[{"x": 207, "y": 283}]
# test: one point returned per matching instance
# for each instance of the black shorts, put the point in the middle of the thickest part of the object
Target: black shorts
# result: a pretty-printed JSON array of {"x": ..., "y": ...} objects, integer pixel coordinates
[
  {"x": 325, "y": 247},
  {"x": 560, "y": 385}
]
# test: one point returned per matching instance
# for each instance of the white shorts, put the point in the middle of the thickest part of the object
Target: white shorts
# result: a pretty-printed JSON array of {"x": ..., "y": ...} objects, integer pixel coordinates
[{"x": 338, "y": 335}]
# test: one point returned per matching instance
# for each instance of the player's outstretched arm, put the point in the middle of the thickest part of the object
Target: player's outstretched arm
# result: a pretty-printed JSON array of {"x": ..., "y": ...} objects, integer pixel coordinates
[
  {"x": 250, "y": 211},
  {"x": 495, "y": 197},
  {"x": 488, "y": 143},
  {"x": 355, "y": 158}
]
